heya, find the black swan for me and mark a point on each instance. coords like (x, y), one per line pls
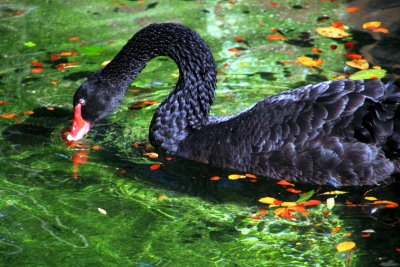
(343, 132)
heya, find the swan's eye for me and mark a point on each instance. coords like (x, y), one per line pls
(82, 101)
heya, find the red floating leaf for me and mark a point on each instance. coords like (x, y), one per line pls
(215, 178)
(155, 167)
(18, 13)
(333, 47)
(311, 202)
(349, 45)
(37, 63)
(273, 4)
(316, 50)
(283, 182)
(337, 24)
(239, 38)
(233, 50)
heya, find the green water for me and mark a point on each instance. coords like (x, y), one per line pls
(110, 208)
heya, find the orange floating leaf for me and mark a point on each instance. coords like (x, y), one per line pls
(347, 234)
(366, 235)
(8, 116)
(152, 155)
(275, 37)
(287, 62)
(18, 13)
(347, 245)
(256, 218)
(292, 190)
(382, 30)
(311, 202)
(361, 64)
(68, 54)
(372, 25)
(29, 112)
(73, 38)
(353, 55)
(155, 167)
(309, 62)
(249, 175)
(352, 9)
(283, 182)
(50, 108)
(233, 50)
(336, 229)
(273, 4)
(96, 147)
(316, 50)
(332, 32)
(37, 70)
(54, 82)
(160, 197)
(262, 212)
(215, 178)
(388, 204)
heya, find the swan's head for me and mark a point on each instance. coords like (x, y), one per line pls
(93, 100)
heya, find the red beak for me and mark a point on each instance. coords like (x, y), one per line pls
(80, 127)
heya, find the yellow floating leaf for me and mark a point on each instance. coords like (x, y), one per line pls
(330, 203)
(236, 176)
(361, 64)
(267, 200)
(279, 211)
(336, 192)
(372, 25)
(371, 198)
(345, 246)
(152, 155)
(332, 32)
(309, 62)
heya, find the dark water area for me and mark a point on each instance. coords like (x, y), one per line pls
(110, 201)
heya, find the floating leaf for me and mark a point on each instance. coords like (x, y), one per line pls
(236, 176)
(336, 229)
(353, 55)
(155, 167)
(66, 65)
(382, 30)
(371, 198)
(30, 44)
(8, 116)
(349, 45)
(316, 50)
(387, 203)
(215, 178)
(345, 246)
(267, 200)
(311, 202)
(73, 38)
(152, 155)
(37, 70)
(103, 211)
(275, 37)
(367, 74)
(332, 32)
(283, 182)
(249, 175)
(336, 192)
(372, 25)
(37, 63)
(330, 203)
(306, 196)
(309, 62)
(142, 104)
(361, 64)
(337, 24)
(352, 9)
(292, 190)
(91, 50)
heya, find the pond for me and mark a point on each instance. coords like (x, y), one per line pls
(109, 201)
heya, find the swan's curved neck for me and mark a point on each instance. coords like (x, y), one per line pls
(188, 105)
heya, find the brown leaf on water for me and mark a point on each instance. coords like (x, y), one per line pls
(142, 104)
(361, 64)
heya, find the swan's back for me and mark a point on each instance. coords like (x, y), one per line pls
(337, 132)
